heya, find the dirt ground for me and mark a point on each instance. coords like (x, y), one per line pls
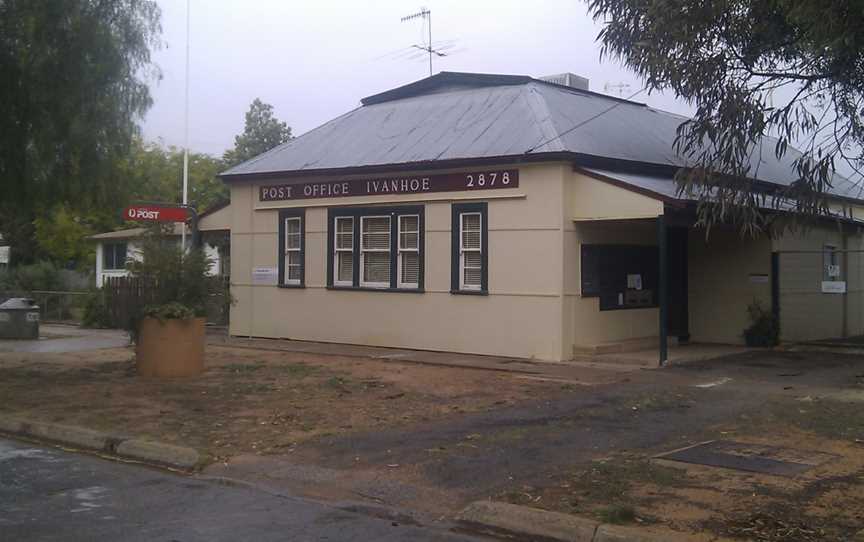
(247, 401)
(813, 423)
(434, 438)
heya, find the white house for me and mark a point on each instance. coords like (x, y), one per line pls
(115, 248)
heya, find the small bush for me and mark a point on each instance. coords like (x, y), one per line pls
(96, 313)
(27, 278)
(764, 329)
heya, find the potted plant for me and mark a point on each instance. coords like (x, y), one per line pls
(763, 329)
(167, 322)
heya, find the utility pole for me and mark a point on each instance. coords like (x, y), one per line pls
(186, 134)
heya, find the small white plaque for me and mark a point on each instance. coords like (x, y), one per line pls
(265, 275)
(634, 282)
(4, 255)
(833, 286)
(32, 316)
(759, 279)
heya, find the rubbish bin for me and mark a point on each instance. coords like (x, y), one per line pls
(19, 319)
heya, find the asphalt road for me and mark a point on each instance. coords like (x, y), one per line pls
(49, 494)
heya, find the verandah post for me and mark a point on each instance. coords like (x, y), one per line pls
(662, 287)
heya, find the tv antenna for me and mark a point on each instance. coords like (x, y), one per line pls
(426, 15)
(618, 88)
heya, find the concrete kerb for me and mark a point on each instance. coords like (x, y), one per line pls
(122, 447)
(541, 525)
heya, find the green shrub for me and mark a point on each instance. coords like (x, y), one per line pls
(96, 314)
(178, 285)
(764, 329)
(27, 278)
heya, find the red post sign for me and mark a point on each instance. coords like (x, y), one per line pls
(156, 213)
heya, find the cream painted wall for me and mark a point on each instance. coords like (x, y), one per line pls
(520, 316)
(805, 312)
(592, 199)
(725, 276)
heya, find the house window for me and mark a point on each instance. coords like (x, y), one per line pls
(409, 251)
(292, 246)
(344, 257)
(114, 256)
(470, 239)
(375, 251)
(376, 248)
(831, 263)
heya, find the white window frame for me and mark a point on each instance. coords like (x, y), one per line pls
(337, 250)
(363, 251)
(401, 250)
(289, 250)
(463, 250)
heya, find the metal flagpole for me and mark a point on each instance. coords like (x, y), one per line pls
(186, 132)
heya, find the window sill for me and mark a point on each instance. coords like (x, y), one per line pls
(368, 289)
(292, 286)
(470, 292)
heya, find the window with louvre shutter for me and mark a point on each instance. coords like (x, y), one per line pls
(292, 246)
(409, 251)
(377, 247)
(343, 260)
(375, 251)
(469, 259)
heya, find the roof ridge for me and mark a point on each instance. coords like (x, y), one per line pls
(548, 130)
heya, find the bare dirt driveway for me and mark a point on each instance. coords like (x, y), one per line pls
(431, 438)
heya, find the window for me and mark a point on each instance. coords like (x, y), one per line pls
(469, 259)
(344, 257)
(375, 251)
(376, 248)
(409, 251)
(831, 263)
(114, 256)
(292, 247)
(621, 276)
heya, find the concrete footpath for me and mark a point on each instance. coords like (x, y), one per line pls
(119, 446)
(496, 518)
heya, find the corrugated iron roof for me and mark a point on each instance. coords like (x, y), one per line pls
(459, 116)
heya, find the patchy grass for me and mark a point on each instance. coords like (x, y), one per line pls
(248, 401)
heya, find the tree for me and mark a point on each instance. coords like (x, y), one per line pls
(151, 172)
(62, 235)
(74, 88)
(792, 70)
(263, 131)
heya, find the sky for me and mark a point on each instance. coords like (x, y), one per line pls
(315, 60)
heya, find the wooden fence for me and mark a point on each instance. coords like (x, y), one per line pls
(127, 296)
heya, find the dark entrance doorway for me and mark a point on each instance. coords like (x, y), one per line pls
(676, 260)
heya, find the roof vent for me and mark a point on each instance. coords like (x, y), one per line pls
(567, 79)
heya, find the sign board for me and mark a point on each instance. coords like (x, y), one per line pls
(156, 213)
(265, 275)
(759, 278)
(833, 286)
(833, 270)
(389, 186)
(4, 255)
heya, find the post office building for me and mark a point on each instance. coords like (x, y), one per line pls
(506, 215)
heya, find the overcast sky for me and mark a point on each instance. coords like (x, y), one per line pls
(314, 60)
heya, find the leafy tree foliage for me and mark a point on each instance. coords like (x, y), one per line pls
(790, 69)
(263, 131)
(62, 235)
(73, 74)
(151, 172)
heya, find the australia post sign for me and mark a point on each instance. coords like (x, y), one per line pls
(389, 186)
(155, 213)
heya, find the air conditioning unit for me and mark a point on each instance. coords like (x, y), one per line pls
(567, 79)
